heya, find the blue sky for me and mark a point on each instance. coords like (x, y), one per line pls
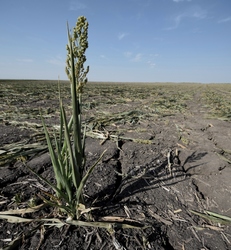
(129, 40)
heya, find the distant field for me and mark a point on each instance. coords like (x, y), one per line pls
(24, 99)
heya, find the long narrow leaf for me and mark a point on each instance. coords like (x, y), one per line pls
(85, 178)
(61, 121)
(223, 217)
(62, 157)
(74, 166)
(14, 219)
(70, 124)
(67, 185)
(54, 158)
(83, 143)
(61, 178)
(56, 189)
(210, 217)
(63, 164)
(23, 210)
(100, 224)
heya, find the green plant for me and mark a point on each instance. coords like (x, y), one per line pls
(67, 153)
(68, 159)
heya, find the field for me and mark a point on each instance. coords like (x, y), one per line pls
(167, 165)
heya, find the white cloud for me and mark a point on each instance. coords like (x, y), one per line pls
(147, 59)
(228, 19)
(200, 14)
(77, 5)
(122, 35)
(197, 13)
(26, 60)
(151, 64)
(177, 21)
(137, 58)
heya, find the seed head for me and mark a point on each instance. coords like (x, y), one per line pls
(79, 45)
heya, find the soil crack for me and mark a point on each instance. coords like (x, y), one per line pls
(201, 195)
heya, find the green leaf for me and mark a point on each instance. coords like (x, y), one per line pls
(56, 189)
(54, 158)
(213, 217)
(74, 166)
(223, 217)
(85, 178)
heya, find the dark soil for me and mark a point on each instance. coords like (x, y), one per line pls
(146, 190)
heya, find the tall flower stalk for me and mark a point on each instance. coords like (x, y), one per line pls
(67, 155)
(76, 48)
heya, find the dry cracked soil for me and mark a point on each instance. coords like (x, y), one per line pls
(163, 171)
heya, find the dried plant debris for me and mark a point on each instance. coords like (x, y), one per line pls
(166, 173)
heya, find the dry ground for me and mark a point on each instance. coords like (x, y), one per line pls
(169, 142)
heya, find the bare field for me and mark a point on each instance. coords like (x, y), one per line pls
(170, 144)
